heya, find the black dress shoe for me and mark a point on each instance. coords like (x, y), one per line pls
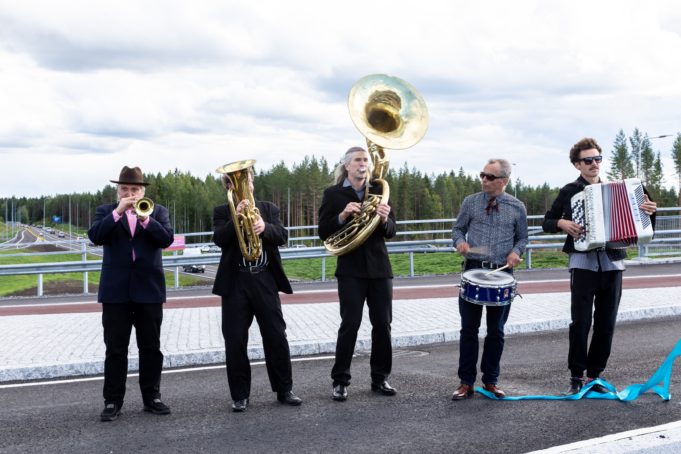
(111, 412)
(240, 405)
(575, 386)
(156, 407)
(340, 393)
(383, 388)
(598, 388)
(289, 398)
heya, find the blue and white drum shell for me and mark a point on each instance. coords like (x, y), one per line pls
(480, 287)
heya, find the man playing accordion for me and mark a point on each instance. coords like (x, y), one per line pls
(595, 275)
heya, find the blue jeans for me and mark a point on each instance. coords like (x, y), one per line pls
(471, 314)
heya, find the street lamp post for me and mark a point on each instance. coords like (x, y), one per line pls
(69, 216)
(515, 185)
(661, 137)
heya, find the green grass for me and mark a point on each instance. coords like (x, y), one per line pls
(437, 263)
(549, 258)
(73, 282)
(4, 234)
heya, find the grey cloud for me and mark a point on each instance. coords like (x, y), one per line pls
(57, 51)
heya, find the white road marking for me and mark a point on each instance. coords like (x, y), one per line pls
(135, 374)
(609, 443)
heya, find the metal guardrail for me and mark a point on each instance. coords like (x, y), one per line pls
(669, 238)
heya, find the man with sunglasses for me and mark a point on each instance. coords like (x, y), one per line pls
(596, 275)
(490, 232)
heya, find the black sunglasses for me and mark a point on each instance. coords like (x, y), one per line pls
(489, 176)
(590, 160)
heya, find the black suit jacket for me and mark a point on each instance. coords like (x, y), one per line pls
(562, 209)
(123, 280)
(224, 235)
(370, 260)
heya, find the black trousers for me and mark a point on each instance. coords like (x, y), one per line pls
(378, 293)
(599, 292)
(118, 320)
(255, 295)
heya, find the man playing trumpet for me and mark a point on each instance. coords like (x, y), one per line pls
(132, 290)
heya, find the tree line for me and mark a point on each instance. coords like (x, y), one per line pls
(298, 191)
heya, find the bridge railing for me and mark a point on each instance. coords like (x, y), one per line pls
(409, 240)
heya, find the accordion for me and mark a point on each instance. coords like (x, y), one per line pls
(610, 215)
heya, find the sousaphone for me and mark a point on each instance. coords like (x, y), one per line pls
(390, 114)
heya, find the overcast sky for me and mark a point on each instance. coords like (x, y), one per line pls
(89, 86)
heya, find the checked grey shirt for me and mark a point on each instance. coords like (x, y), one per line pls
(493, 235)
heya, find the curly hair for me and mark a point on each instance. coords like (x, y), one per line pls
(586, 143)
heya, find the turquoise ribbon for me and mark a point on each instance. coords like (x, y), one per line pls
(658, 383)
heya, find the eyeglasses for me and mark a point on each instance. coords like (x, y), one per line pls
(590, 160)
(489, 176)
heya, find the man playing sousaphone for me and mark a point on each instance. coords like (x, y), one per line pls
(491, 233)
(363, 274)
(355, 219)
(248, 279)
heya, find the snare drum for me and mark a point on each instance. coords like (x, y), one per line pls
(496, 289)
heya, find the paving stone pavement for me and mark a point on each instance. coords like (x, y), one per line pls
(60, 345)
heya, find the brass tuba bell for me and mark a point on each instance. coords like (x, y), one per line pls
(237, 173)
(389, 113)
(144, 207)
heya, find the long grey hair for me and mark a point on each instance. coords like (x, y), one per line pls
(341, 173)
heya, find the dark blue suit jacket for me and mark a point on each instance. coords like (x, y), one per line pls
(123, 280)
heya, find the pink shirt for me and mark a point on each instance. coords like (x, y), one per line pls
(132, 222)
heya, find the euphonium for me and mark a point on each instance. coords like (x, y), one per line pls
(237, 174)
(144, 207)
(389, 113)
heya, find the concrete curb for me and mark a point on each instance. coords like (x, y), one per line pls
(307, 348)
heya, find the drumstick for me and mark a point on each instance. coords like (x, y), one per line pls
(498, 269)
(482, 250)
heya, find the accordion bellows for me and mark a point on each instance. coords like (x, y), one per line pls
(611, 215)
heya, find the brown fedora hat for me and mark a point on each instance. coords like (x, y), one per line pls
(131, 176)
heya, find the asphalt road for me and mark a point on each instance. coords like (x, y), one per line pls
(64, 417)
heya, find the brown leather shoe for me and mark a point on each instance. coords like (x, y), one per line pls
(494, 390)
(464, 391)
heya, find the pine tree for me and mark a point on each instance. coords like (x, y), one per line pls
(647, 162)
(676, 157)
(620, 161)
(636, 140)
(656, 177)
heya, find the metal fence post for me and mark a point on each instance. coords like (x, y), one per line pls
(40, 285)
(411, 264)
(323, 269)
(528, 258)
(177, 272)
(85, 273)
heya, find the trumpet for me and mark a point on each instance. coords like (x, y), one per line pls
(144, 207)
